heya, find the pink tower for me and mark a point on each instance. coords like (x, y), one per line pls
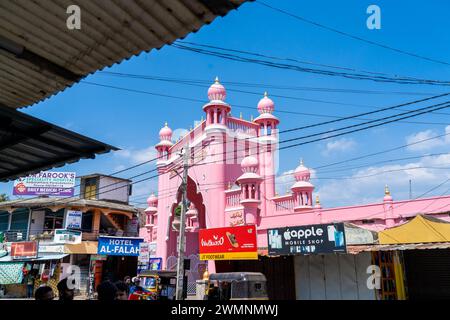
(268, 139)
(217, 111)
(302, 189)
(250, 182)
(164, 153)
(163, 147)
(152, 217)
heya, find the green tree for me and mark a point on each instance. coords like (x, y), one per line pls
(3, 197)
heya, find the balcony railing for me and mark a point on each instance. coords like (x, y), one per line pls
(285, 203)
(233, 198)
(242, 126)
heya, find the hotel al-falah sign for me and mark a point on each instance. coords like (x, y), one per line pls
(230, 243)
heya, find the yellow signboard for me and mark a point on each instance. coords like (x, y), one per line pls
(229, 256)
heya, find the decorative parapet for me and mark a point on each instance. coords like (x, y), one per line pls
(242, 126)
(232, 198)
(284, 203)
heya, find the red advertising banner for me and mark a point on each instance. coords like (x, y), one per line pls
(231, 243)
(26, 249)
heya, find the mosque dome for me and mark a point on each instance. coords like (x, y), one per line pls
(265, 105)
(217, 91)
(165, 133)
(152, 200)
(302, 173)
(249, 164)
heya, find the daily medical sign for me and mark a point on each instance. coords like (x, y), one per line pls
(311, 239)
(117, 246)
(232, 243)
(47, 183)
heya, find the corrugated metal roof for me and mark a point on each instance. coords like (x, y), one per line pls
(29, 145)
(40, 56)
(393, 247)
(67, 202)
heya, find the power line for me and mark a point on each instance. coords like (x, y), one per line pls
(286, 147)
(339, 118)
(336, 130)
(386, 161)
(346, 34)
(364, 128)
(406, 202)
(261, 85)
(360, 124)
(383, 151)
(292, 67)
(196, 84)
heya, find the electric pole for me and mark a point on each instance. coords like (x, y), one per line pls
(181, 235)
(410, 189)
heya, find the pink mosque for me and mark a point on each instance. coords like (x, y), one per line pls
(231, 182)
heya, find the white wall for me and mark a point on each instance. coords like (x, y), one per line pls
(37, 222)
(113, 189)
(332, 277)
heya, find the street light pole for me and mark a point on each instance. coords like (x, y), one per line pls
(181, 236)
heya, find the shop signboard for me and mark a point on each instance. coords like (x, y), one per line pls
(73, 219)
(51, 248)
(230, 243)
(144, 253)
(152, 249)
(48, 183)
(67, 236)
(310, 239)
(155, 264)
(24, 250)
(133, 226)
(118, 246)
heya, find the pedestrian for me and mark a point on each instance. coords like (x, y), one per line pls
(44, 293)
(106, 291)
(64, 292)
(136, 285)
(122, 290)
(127, 281)
(30, 284)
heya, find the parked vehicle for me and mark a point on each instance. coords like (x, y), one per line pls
(156, 285)
(237, 286)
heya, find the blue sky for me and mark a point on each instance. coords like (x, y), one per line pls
(131, 121)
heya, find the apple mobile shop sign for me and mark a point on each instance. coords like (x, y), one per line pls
(119, 246)
(310, 239)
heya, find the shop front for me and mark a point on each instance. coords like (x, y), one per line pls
(121, 257)
(422, 248)
(323, 268)
(28, 266)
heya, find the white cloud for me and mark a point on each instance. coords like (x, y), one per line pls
(429, 144)
(339, 145)
(179, 133)
(136, 156)
(367, 185)
(286, 179)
